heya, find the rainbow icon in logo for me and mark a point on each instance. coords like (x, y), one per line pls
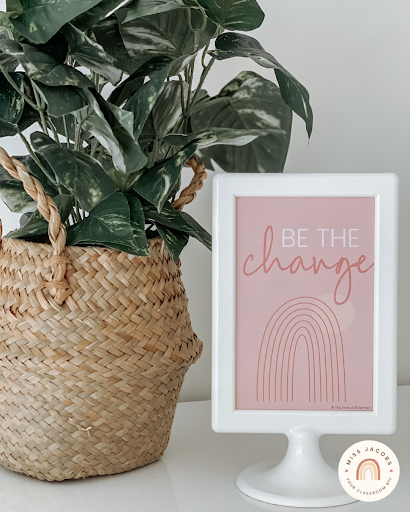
(368, 466)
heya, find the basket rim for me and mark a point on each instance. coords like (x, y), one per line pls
(48, 248)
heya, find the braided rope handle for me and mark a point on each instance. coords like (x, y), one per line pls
(189, 193)
(56, 230)
(58, 286)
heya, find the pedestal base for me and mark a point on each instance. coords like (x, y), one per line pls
(301, 479)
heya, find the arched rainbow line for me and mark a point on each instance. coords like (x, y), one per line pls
(288, 358)
(294, 329)
(293, 363)
(312, 310)
(368, 464)
(270, 366)
(280, 343)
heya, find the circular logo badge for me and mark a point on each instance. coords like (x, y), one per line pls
(369, 471)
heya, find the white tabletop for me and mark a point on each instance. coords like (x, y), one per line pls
(197, 473)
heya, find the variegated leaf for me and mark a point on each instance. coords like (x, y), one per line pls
(43, 67)
(36, 225)
(234, 14)
(293, 92)
(90, 17)
(134, 82)
(181, 221)
(147, 7)
(217, 136)
(247, 103)
(79, 173)
(41, 19)
(157, 183)
(9, 62)
(14, 196)
(137, 222)
(175, 240)
(90, 54)
(166, 34)
(167, 109)
(142, 102)
(113, 129)
(109, 225)
(61, 100)
(50, 188)
(6, 27)
(11, 105)
(107, 33)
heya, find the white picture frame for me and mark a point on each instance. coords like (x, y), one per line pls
(226, 188)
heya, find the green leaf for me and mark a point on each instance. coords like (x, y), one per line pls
(59, 124)
(90, 54)
(6, 27)
(296, 96)
(108, 224)
(134, 82)
(217, 136)
(28, 117)
(147, 7)
(293, 93)
(167, 109)
(181, 221)
(36, 225)
(156, 184)
(107, 33)
(166, 34)
(34, 170)
(249, 102)
(9, 62)
(113, 129)
(142, 102)
(89, 18)
(175, 240)
(61, 100)
(242, 15)
(79, 173)
(11, 105)
(14, 8)
(45, 68)
(137, 222)
(41, 19)
(25, 218)
(14, 196)
(56, 47)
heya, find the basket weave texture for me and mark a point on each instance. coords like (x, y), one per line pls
(89, 386)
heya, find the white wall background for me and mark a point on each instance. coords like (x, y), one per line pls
(354, 58)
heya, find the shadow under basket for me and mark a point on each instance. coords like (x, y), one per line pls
(90, 387)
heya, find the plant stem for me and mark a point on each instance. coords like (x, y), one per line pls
(204, 54)
(17, 88)
(201, 83)
(40, 107)
(35, 158)
(181, 85)
(53, 129)
(77, 140)
(188, 101)
(94, 146)
(77, 217)
(66, 132)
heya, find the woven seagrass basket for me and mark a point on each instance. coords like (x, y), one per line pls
(94, 346)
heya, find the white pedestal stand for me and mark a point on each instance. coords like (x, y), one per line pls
(301, 479)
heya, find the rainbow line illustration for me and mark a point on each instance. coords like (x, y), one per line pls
(368, 465)
(314, 323)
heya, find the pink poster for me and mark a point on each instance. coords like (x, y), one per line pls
(305, 303)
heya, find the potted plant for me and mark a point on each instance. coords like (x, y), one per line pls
(94, 329)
